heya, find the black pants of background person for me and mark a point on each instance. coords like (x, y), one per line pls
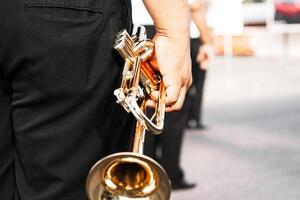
(166, 148)
(195, 94)
(57, 110)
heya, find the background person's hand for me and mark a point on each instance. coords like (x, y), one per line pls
(205, 55)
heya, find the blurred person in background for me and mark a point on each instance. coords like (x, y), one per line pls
(201, 54)
(166, 148)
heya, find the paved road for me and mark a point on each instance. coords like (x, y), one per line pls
(251, 150)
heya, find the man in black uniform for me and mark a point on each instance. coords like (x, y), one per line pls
(201, 54)
(58, 71)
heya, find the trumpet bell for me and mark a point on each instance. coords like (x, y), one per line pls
(125, 176)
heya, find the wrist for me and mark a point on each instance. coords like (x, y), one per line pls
(206, 40)
(171, 17)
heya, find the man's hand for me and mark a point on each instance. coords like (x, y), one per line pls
(205, 55)
(172, 50)
(172, 59)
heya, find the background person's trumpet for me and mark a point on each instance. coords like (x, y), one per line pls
(132, 175)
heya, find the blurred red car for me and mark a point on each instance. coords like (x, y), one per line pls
(287, 11)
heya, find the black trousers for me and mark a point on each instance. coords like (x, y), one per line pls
(195, 94)
(58, 115)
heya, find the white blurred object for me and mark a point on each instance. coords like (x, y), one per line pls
(226, 17)
(255, 13)
(140, 14)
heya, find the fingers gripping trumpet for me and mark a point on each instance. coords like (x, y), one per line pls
(132, 175)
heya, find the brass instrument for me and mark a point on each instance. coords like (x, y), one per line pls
(132, 175)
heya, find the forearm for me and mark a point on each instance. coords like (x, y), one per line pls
(172, 50)
(198, 16)
(171, 17)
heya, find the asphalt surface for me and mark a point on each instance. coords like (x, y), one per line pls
(251, 149)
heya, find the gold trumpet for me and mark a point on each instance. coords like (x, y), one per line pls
(132, 175)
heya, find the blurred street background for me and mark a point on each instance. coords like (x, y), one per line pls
(251, 149)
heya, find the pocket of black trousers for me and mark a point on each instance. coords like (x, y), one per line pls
(61, 41)
(53, 9)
